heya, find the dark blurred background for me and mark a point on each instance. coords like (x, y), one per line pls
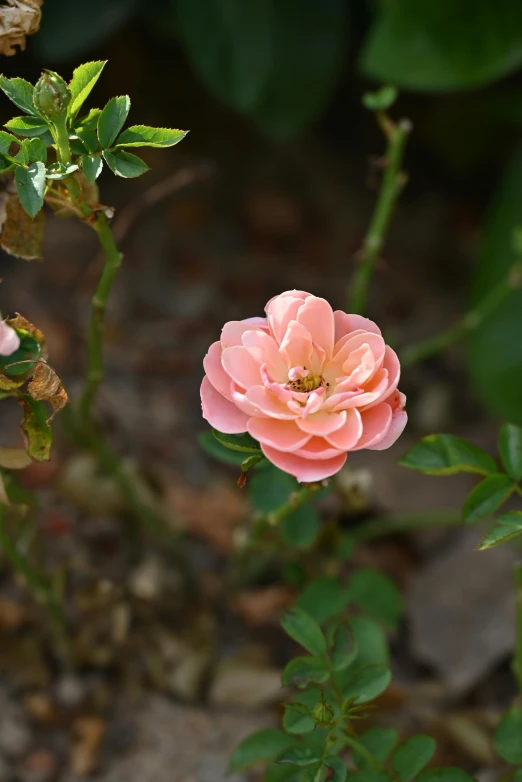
(273, 189)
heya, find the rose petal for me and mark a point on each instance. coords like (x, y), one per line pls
(396, 428)
(219, 412)
(242, 368)
(215, 372)
(304, 470)
(282, 435)
(232, 332)
(345, 324)
(296, 347)
(264, 349)
(376, 423)
(349, 434)
(268, 405)
(281, 310)
(318, 448)
(316, 316)
(322, 423)
(9, 339)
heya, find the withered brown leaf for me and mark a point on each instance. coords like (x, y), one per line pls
(21, 236)
(46, 386)
(14, 458)
(18, 18)
(19, 322)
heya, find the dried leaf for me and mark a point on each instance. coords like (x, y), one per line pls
(21, 236)
(4, 499)
(84, 753)
(36, 430)
(21, 323)
(14, 458)
(46, 386)
(17, 19)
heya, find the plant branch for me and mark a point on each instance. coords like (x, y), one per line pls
(469, 323)
(517, 661)
(113, 259)
(38, 586)
(393, 181)
(393, 525)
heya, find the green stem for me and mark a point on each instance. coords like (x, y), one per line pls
(61, 137)
(517, 661)
(363, 752)
(40, 589)
(392, 525)
(113, 259)
(392, 183)
(469, 323)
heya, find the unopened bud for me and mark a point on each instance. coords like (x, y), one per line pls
(322, 713)
(51, 95)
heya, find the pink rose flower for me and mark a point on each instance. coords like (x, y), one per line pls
(308, 383)
(9, 339)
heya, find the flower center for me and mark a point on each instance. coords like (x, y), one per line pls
(308, 383)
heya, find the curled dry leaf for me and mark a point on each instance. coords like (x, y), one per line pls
(21, 236)
(18, 18)
(21, 323)
(46, 386)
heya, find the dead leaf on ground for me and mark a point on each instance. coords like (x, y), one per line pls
(84, 752)
(261, 606)
(211, 514)
(21, 236)
(46, 386)
(17, 19)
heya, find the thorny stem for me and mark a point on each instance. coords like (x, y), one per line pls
(517, 661)
(393, 181)
(469, 323)
(41, 590)
(363, 752)
(275, 517)
(61, 137)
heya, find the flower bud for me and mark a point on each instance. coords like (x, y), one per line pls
(322, 714)
(51, 95)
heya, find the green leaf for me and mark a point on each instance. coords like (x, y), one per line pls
(214, 448)
(36, 149)
(28, 126)
(344, 648)
(303, 670)
(92, 167)
(506, 527)
(445, 774)
(258, 748)
(412, 755)
(369, 775)
(306, 62)
(124, 164)
(29, 350)
(30, 186)
(299, 756)
(230, 46)
(6, 163)
(510, 447)
(508, 736)
(445, 454)
(322, 598)
(487, 497)
(277, 773)
(371, 641)
(144, 136)
(378, 741)
(495, 358)
(243, 443)
(443, 45)
(58, 171)
(83, 80)
(297, 717)
(270, 488)
(377, 595)
(20, 92)
(112, 119)
(36, 430)
(336, 769)
(89, 139)
(304, 630)
(381, 99)
(6, 139)
(367, 683)
(301, 527)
